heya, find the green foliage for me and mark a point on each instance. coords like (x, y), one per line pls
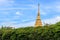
(51, 32)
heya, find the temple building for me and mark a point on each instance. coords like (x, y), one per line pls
(38, 20)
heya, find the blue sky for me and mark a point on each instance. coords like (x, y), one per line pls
(21, 13)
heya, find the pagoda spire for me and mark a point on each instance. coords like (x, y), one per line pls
(38, 8)
(38, 20)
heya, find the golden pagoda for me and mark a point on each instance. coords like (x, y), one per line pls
(38, 20)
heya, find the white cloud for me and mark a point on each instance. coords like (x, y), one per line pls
(32, 23)
(12, 24)
(51, 20)
(8, 23)
(15, 8)
(53, 7)
(45, 21)
(6, 2)
(19, 13)
(25, 24)
(48, 21)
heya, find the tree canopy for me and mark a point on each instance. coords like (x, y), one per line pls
(50, 32)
